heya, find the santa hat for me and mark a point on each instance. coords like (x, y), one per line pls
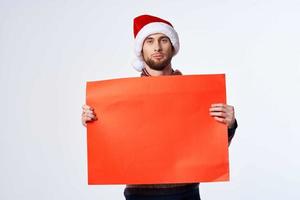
(145, 25)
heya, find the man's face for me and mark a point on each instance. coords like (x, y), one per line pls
(157, 51)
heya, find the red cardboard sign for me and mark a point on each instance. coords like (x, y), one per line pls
(154, 130)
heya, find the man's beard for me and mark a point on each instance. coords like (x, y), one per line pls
(160, 65)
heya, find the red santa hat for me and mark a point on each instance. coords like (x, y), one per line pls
(145, 25)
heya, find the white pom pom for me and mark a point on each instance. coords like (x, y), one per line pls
(138, 65)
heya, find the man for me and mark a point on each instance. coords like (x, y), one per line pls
(156, 42)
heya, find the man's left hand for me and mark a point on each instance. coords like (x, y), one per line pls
(223, 113)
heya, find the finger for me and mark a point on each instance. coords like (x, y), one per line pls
(223, 120)
(218, 114)
(86, 118)
(85, 112)
(217, 109)
(89, 112)
(218, 105)
(230, 108)
(227, 109)
(87, 107)
(220, 119)
(91, 116)
(83, 123)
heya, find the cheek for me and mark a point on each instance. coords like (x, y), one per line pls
(144, 53)
(145, 50)
(169, 50)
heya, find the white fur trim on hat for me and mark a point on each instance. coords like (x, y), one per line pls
(138, 64)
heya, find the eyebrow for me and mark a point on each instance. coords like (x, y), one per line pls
(161, 37)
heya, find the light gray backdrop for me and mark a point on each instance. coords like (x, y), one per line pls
(49, 49)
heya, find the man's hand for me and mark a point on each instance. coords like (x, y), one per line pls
(87, 115)
(223, 113)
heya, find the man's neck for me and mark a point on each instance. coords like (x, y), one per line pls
(166, 71)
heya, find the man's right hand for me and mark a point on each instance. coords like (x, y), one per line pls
(87, 115)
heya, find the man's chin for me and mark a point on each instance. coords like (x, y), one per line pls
(158, 65)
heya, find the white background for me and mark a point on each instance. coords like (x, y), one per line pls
(49, 49)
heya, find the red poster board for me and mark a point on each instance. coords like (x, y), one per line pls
(156, 130)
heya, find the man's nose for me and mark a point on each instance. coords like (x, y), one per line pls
(157, 46)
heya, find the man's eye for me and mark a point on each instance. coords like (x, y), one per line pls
(149, 41)
(165, 40)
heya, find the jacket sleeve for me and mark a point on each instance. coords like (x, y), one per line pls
(231, 131)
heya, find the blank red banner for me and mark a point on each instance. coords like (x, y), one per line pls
(154, 130)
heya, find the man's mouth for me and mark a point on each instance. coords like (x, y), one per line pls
(157, 56)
